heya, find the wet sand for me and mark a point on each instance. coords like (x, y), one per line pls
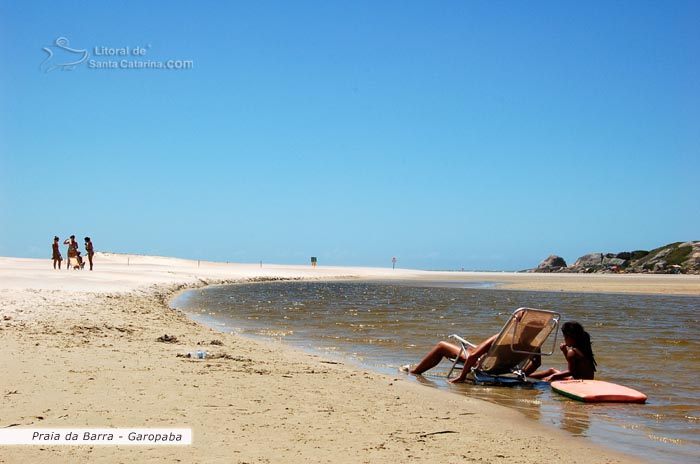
(660, 284)
(82, 350)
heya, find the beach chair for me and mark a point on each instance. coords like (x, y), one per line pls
(520, 339)
(73, 262)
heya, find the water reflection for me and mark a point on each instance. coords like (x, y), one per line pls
(575, 418)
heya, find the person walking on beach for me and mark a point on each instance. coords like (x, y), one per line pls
(90, 250)
(57, 258)
(577, 350)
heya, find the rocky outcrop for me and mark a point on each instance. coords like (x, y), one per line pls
(680, 257)
(553, 263)
(674, 258)
(589, 261)
(596, 262)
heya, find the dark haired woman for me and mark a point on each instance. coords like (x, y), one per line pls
(578, 353)
(73, 253)
(57, 258)
(90, 249)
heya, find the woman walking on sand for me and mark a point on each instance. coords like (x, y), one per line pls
(57, 258)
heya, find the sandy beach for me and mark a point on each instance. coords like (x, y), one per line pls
(85, 350)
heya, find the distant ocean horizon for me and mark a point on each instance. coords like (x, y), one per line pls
(648, 342)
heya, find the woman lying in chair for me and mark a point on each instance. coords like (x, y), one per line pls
(450, 350)
(576, 349)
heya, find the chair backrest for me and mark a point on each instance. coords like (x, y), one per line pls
(521, 338)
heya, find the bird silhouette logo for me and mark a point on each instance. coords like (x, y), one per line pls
(62, 57)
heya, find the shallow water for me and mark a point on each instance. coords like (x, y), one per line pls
(648, 342)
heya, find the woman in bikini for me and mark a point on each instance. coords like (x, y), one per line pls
(90, 249)
(57, 258)
(577, 350)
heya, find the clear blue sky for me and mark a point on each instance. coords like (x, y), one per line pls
(482, 135)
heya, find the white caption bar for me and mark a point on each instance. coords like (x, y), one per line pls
(68, 436)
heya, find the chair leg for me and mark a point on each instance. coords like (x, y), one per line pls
(462, 350)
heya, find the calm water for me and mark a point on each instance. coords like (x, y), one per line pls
(651, 343)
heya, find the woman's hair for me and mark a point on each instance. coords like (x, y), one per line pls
(581, 339)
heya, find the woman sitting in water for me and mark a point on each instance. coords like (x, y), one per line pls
(579, 356)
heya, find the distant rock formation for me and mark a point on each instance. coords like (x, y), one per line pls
(588, 261)
(553, 263)
(674, 258)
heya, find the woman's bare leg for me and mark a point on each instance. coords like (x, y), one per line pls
(544, 373)
(473, 355)
(433, 358)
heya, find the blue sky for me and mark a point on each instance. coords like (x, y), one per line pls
(476, 135)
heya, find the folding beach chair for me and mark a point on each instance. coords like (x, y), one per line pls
(520, 340)
(73, 262)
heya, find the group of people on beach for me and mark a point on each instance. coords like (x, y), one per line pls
(75, 260)
(577, 350)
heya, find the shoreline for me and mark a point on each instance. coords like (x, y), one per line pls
(83, 351)
(125, 272)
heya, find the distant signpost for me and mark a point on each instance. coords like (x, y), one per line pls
(393, 263)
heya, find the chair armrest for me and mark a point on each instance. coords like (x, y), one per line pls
(462, 341)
